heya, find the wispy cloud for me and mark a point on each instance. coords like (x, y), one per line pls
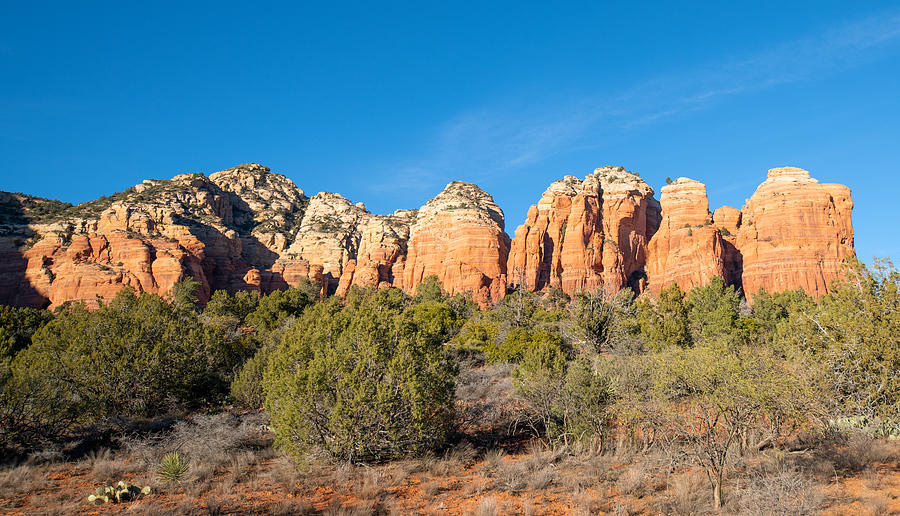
(500, 140)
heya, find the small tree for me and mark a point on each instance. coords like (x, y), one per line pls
(570, 399)
(665, 322)
(714, 312)
(600, 316)
(705, 401)
(855, 332)
(280, 305)
(132, 357)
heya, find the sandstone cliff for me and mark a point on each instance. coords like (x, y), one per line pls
(586, 232)
(216, 229)
(794, 233)
(688, 249)
(458, 236)
(248, 228)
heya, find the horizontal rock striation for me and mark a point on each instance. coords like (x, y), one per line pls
(459, 237)
(795, 233)
(247, 228)
(688, 249)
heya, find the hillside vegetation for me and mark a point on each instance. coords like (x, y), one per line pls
(383, 402)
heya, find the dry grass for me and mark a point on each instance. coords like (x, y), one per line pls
(860, 453)
(106, 468)
(633, 481)
(878, 506)
(580, 479)
(493, 458)
(787, 491)
(17, 480)
(293, 506)
(587, 503)
(686, 494)
(489, 506)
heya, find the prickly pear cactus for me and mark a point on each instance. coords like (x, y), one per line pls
(118, 493)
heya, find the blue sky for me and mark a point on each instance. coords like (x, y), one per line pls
(386, 103)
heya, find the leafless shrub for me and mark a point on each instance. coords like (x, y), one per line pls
(632, 481)
(860, 452)
(211, 439)
(786, 492)
(45, 456)
(484, 397)
(208, 441)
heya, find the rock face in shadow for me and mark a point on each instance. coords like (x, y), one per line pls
(794, 233)
(247, 228)
(584, 233)
(728, 221)
(458, 236)
(216, 229)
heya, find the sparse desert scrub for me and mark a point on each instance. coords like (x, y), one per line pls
(584, 425)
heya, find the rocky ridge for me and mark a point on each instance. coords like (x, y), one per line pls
(249, 228)
(584, 233)
(459, 237)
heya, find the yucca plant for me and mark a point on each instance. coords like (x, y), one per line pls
(172, 467)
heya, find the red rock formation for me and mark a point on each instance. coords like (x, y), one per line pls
(458, 236)
(728, 220)
(381, 257)
(584, 233)
(328, 235)
(152, 236)
(688, 249)
(247, 228)
(795, 233)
